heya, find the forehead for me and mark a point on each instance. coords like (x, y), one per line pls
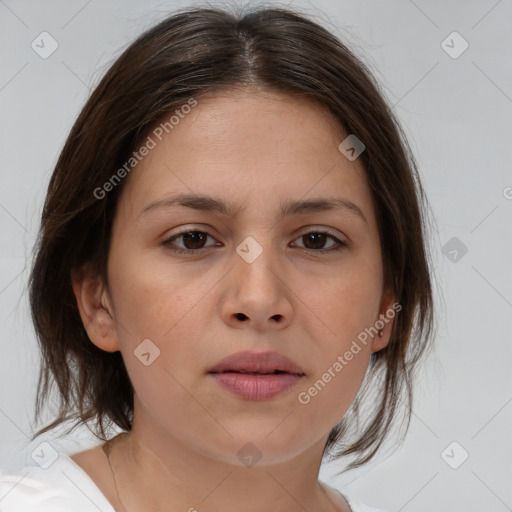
(248, 146)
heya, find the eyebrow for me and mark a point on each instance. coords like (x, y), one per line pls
(216, 205)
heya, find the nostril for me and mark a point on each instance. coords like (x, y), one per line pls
(241, 316)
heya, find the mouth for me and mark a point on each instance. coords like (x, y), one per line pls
(257, 376)
(254, 386)
(254, 363)
(245, 372)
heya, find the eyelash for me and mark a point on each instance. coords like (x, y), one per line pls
(339, 244)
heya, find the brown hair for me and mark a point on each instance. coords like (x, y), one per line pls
(190, 53)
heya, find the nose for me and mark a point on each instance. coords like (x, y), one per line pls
(257, 294)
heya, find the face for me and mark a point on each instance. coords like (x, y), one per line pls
(195, 284)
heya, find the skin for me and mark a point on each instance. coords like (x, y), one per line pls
(257, 149)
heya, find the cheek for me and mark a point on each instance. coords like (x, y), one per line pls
(344, 304)
(345, 308)
(332, 388)
(165, 305)
(155, 299)
(164, 399)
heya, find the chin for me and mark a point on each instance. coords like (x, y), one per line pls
(270, 446)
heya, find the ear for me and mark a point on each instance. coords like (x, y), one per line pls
(389, 308)
(95, 308)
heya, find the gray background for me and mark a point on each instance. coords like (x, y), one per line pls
(456, 112)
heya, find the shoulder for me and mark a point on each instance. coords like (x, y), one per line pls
(58, 487)
(359, 506)
(355, 505)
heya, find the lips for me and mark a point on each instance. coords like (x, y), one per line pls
(257, 363)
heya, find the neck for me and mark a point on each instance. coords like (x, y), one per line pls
(150, 476)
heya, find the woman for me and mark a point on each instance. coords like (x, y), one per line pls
(231, 266)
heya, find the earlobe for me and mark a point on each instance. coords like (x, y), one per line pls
(384, 323)
(380, 340)
(95, 309)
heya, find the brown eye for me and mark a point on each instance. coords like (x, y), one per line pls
(193, 240)
(316, 240)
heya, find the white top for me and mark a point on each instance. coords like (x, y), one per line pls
(63, 486)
